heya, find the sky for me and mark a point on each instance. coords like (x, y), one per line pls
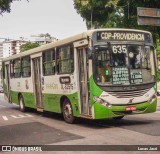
(56, 17)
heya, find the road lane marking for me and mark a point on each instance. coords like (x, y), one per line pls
(157, 112)
(21, 116)
(5, 118)
(2, 106)
(28, 115)
(8, 117)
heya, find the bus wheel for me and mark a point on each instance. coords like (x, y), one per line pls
(67, 112)
(118, 118)
(21, 104)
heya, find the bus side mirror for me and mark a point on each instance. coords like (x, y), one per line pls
(90, 53)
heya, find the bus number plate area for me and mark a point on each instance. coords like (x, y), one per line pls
(130, 108)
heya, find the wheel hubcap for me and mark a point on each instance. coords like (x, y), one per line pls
(67, 111)
(21, 104)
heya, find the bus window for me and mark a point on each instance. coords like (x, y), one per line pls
(3, 70)
(148, 67)
(17, 68)
(65, 62)
(134, 52)
(103, 64)
(49, 62)
(11, 69)
(26, 67)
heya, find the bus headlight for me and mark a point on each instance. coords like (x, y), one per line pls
(152, 98)
(101, 101)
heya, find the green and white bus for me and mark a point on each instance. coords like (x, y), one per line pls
(98, 74)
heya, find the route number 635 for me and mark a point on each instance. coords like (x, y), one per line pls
(119, 49)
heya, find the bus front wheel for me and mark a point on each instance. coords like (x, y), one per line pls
(68, 112)
(21, 104)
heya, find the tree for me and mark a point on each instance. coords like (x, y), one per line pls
(5, 6)
(97, 11)
(28, 46)
(130, 15)
(117, 13)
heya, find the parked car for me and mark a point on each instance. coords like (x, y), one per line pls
(1, 89)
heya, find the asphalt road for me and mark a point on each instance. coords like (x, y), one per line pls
(34, 128)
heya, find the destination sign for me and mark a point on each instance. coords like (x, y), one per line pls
(136, 76)
(120, 75)
(121, 35)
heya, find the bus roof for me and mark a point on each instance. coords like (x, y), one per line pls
(66, 41)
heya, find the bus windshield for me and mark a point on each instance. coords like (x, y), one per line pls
(124, 64)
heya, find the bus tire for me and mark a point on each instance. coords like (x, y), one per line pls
(68, 112)
(118, 118)
(21, 104)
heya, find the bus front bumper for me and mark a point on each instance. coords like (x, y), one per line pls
(102, 112)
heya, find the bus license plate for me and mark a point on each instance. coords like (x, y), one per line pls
(130, 108)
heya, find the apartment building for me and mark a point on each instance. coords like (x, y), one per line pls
(1, 53)
(11, 47)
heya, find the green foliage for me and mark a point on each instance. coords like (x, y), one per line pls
(99, 9)
(158, 76)
(158, 48)
(28, 46)
(130, 19)
(116, 13)
(5, 5)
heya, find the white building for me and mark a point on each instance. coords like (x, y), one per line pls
(42, 39)
(1, 53)
(1, 56)
(11, 47)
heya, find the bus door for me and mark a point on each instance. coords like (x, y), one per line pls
(37, 83)
(83, 80)
(8, 83)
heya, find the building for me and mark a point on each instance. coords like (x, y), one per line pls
(1, 53)
(11, 47)
(1, 56)
(43, 39)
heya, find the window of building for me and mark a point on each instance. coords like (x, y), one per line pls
(65, 62)
(49, 62)
(26, 67)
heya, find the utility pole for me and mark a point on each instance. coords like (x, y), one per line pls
(91, 15)
(128, 9)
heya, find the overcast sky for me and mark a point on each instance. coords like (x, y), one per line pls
(56, 17)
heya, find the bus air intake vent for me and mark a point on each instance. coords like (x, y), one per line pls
(128, 94)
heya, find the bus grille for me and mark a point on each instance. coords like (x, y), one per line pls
(129, 94)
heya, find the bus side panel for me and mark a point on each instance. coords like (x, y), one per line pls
(29, 99)
(4, 81)
(14, 97)
(4, 87)
(24, 87)
(52, 102)
(53, 91)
